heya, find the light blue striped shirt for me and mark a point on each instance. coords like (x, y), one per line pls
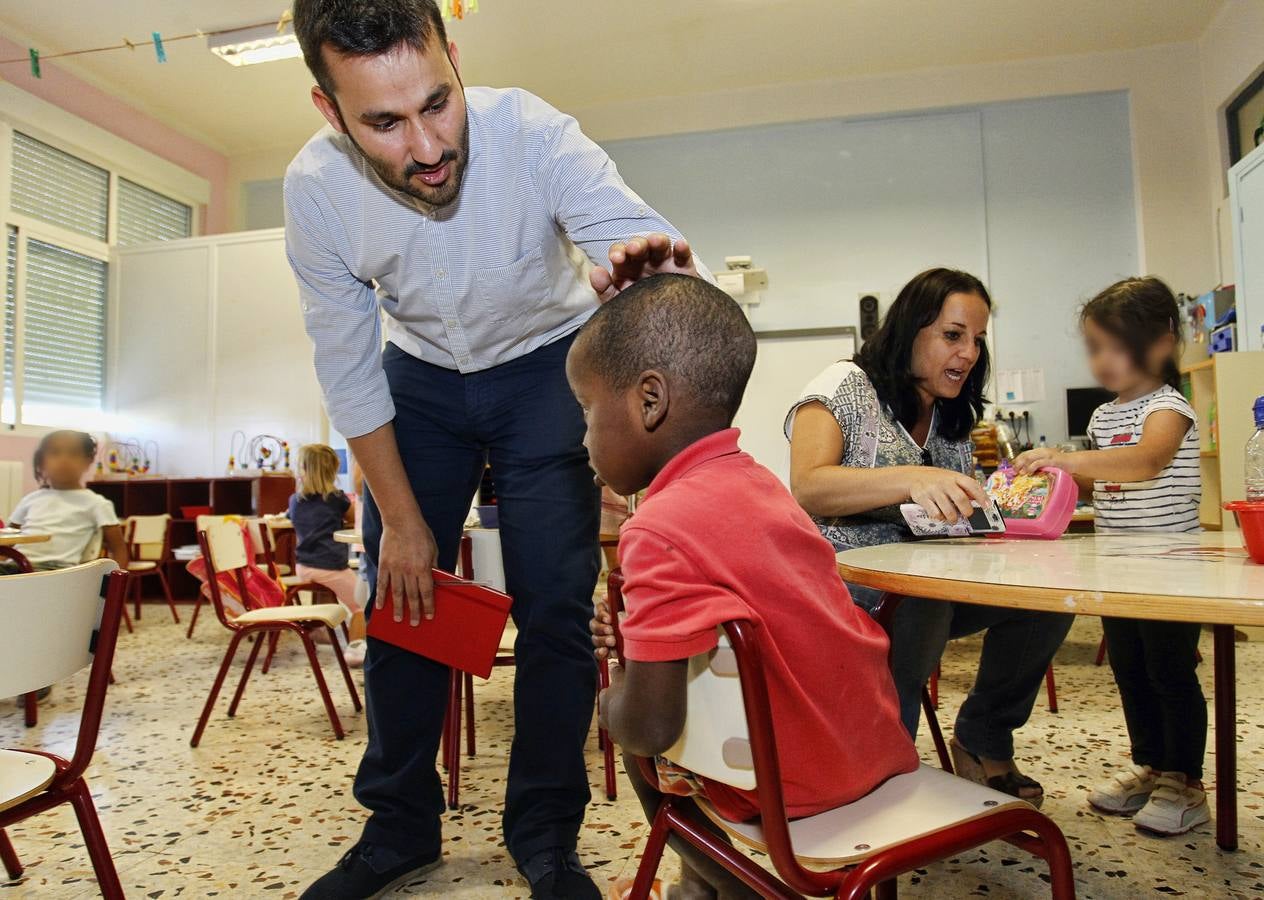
(501, 271)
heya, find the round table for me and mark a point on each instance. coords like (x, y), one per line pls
(10, 539)
(348, 536)
(1205, 578)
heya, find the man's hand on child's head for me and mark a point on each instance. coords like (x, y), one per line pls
(602, 628)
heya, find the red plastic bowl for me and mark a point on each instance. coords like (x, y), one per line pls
(1251, 518)
(192, 512)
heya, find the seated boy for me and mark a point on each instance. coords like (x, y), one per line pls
(659, 371)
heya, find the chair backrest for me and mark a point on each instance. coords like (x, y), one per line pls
(226, 545)
(58, 623)
(716, 740)
(147, 536)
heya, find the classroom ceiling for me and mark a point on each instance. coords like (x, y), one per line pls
(580, 54)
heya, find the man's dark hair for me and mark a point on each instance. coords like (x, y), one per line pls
(363, 28)
(887, 357)
(682, 326)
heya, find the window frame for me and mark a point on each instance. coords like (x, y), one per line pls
(31, 228)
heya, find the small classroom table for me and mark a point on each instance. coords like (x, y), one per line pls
(10, 540)
(348, 536)
(1205, 578)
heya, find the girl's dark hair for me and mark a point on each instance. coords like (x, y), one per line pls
(86, 442)
(1138, 312)
(887, 357)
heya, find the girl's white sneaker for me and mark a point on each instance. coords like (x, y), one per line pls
(1125, 792)
(1174, 807)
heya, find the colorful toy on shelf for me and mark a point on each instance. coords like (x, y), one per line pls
(1034, 506)
(265, 450)
(285, 456)
(150, 462)
(236, 447)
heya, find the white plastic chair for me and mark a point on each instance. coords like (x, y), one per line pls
(149, 548)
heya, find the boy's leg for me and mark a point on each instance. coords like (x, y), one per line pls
(1171, 658)
(1017, 650)
(1125, 648)
(548, 511)
(405, 694)
(694, 864)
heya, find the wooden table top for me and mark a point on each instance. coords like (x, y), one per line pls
(348, 536)
(10, 538)
(1204, 578)
(23, 775)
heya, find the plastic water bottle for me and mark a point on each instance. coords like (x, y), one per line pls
(1255, 456)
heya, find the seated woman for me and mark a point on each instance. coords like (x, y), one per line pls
(890, 427)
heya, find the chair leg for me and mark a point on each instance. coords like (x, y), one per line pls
(936, 735)
(651, 856)
(260, 637)
(1051, 689)
(166, 590)
(454, 739)
(320, 683)
(612, 786)
(215, 686)
(934, 688)
(134, 584)
(94, 838)
(127, 619)
(887, 890)
(346, 670)
(273, 639)
(469, 715)
(1101, 653)
(197, 605)
(30, 703)
(9, 856)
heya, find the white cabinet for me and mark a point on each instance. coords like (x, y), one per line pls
(1246, 210)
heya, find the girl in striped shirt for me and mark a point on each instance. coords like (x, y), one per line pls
(1143, 473)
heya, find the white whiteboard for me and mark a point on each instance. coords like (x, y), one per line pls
(784, 363)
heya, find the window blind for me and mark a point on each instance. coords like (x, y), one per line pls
(58, 188)
(10, 316)
(63, 351)
(145, 215)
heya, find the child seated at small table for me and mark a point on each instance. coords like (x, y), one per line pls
(659, 372)
(75, 516)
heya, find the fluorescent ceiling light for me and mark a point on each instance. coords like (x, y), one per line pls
(247, 46)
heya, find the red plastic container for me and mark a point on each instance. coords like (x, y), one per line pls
(464, 633)
(1251, 518)
(192, 512)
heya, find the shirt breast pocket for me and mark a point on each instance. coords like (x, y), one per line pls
(513, 293)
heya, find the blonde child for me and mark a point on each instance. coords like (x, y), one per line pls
(1144, 476)
(317, 511)
(64, 508)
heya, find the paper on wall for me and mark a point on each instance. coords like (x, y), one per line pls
(1020, 386)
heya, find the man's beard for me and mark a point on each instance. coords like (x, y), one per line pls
(438, 196)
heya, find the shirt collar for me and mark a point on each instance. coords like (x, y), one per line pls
(713, 446)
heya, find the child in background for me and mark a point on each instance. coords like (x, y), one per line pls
(1144, 476)
(659, 372)
(317, 511)
(64, 508)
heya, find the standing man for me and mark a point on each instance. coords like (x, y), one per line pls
(465, 209)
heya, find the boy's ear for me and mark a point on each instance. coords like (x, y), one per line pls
(653, 394)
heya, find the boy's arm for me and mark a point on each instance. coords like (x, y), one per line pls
(644, 708)
(115, 545)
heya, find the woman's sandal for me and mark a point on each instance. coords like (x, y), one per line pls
(969, 767)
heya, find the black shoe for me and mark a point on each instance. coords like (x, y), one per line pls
(557, 874)
(366, 872)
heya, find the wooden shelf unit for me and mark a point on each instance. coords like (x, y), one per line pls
(1231, 381)
(240, 495)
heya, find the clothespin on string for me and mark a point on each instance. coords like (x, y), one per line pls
(458, 9)
(159, 50)
(286, 18)
(35, 66)
(128, 44)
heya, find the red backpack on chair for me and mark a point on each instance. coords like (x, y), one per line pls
(262, 590)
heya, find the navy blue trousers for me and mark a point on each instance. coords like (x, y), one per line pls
(522, 417)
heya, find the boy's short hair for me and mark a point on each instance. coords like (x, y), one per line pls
(680, 325)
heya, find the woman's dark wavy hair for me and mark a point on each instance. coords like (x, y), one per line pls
(1139, 312)
(87, 446)
(887, 357)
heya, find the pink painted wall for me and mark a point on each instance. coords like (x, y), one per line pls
(94, 105)
(21, 448)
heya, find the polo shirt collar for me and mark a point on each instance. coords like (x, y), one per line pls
(713, 446)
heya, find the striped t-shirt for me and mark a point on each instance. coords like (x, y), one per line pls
(1168, 502)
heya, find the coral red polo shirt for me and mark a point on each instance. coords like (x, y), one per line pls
(718, 537)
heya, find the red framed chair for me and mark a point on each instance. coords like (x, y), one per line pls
(909, 821)
(1051, 686)
(224, 548)
(70, 621)
(149, 547)
(461, 705)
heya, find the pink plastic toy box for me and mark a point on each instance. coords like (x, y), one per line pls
(1034, 506)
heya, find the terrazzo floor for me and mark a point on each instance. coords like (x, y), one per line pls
(264, 805)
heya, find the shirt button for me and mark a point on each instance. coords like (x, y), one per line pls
(441, 274)
(640, 210)
(464, 360)
(450, 323)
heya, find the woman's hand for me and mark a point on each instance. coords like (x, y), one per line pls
(944, 494)
(1029, 461)
(602, 627)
